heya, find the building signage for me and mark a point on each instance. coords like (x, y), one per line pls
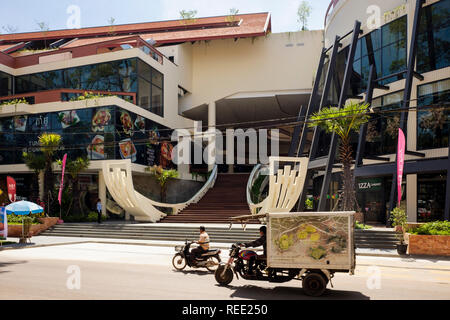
(394, 13)
(370, 184)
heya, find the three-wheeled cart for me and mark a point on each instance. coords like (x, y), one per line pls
(308, 246)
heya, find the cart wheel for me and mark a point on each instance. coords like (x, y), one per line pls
(223, 278)
(314, 284)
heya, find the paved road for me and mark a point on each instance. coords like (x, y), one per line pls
(111, 271)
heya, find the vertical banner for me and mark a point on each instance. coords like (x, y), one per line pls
(3, 223)
(61, 186)
(400, 163)
(11, 183)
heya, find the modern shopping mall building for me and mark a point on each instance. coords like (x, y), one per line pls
(231, 73)
(155, 77)
(409, 88)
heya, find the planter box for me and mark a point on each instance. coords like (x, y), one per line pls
(15, 231)
(428, 245)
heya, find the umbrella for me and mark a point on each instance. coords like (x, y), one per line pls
(23, 208)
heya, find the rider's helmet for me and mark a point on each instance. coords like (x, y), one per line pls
(263, 229)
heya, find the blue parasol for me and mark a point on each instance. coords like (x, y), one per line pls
(23, 208)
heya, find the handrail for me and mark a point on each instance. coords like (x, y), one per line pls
(199, 195)
(120, 185)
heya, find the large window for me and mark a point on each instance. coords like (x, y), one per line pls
(97, 133)
(130, 75)
(5, 84)
(433, 115)
(382, 129)
(431, 196)
(433, 49)
(386, 49)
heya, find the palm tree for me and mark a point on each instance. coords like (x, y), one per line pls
(35, 162)
(343, 122)
(74, 168)
(49, 143)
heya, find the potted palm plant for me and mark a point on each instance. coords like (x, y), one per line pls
(399, 222)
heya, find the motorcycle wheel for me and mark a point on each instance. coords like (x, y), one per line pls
(214, 261)
(179, 262)
(223, 278)
(314, 284)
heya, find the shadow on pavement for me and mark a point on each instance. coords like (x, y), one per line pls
(7, 264)
(291, 293)
(194, 271)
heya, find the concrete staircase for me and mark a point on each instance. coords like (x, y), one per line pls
(374, 239)
(226, 199)
(156, 232)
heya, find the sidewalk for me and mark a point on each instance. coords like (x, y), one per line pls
(46, 241)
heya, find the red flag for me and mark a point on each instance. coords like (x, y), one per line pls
(62, 178)
(400, 163)
(11, 189)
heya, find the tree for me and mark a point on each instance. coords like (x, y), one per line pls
(49, 143)
(74, 168)
(231, 18)
(303, 13)
(43, 26)
(188, 17)
(163, 176)
(343, 122)
(35, 162)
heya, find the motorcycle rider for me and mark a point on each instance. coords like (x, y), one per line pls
(203, 243)
(261, 241)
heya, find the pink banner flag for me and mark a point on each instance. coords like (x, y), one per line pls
(400, 163)
(62, 178)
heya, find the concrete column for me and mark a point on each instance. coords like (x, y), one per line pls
(411, 197)
(102, 191)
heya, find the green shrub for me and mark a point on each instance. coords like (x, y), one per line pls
(361, 226)
(93, 217)
(438, 228)
(16, 220)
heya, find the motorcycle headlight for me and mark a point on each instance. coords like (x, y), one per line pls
(178, 248)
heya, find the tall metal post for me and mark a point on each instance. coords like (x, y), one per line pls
(297, 147)
(326, 90)
(363, 129)
(406, 97)
(311, 110)
(342, 99)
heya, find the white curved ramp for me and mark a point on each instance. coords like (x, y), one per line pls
(285, 186)
(119, 181)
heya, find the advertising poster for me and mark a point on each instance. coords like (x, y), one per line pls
(3, 223)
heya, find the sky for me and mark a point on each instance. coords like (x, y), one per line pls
(24, 15)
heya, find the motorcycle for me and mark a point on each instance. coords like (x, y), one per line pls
(238, 264)
(209, 260)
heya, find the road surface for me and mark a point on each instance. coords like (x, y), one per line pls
(113, 271)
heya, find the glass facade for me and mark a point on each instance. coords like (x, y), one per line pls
(386, 49)
(433, 47)
(97, 133)
(431, 196)
(382, 129)
(129, 75)
(5, 84)
(433, 116)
